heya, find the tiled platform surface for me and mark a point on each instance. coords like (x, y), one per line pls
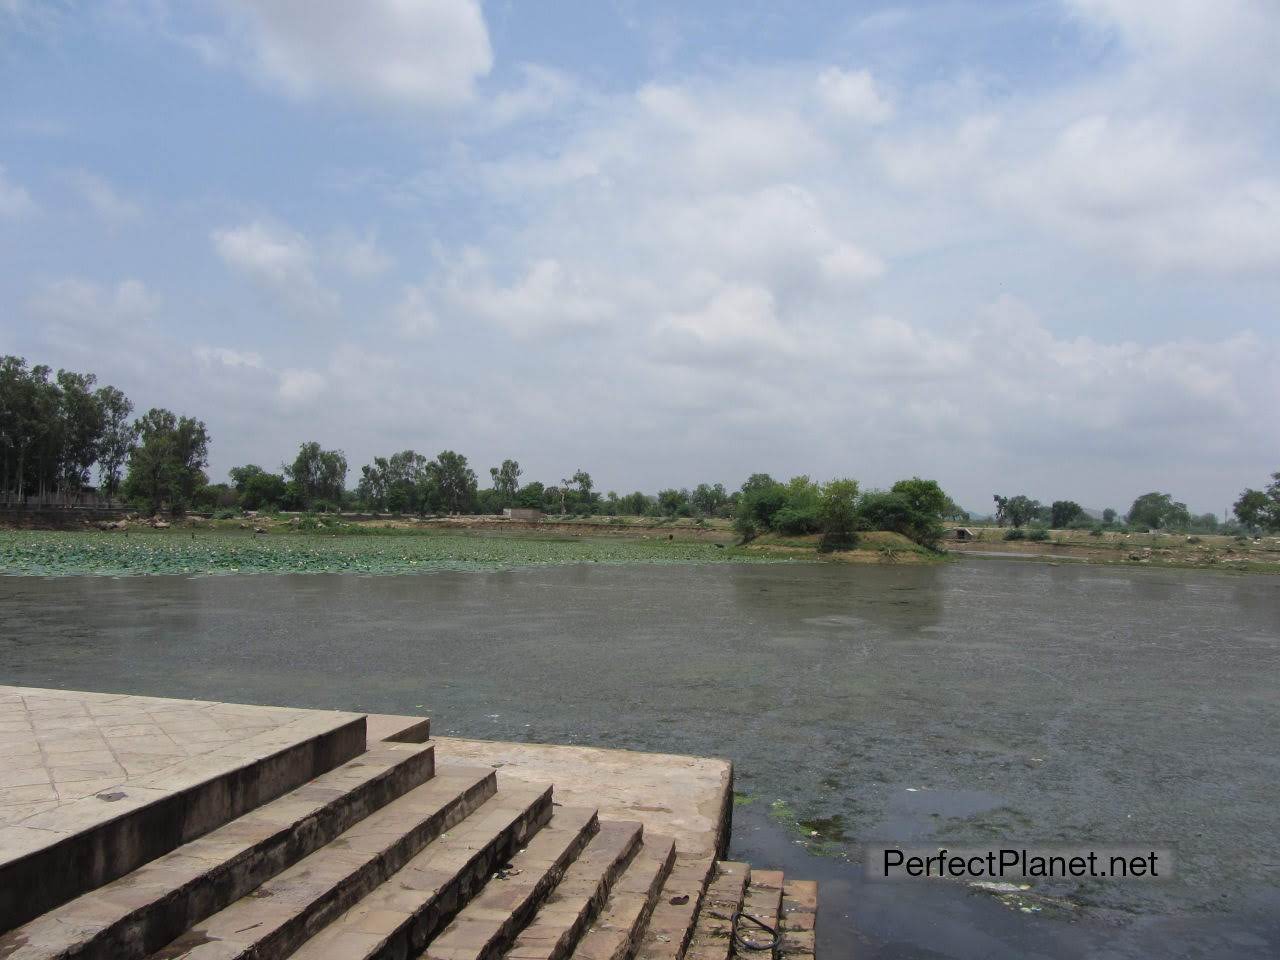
(78, 770)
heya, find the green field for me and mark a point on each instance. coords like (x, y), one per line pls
(184, 551)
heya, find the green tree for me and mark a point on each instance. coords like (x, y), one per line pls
(320, 474)
(506, 482)
(532, 496)
(258, 489)
(582, 480)
(81, 428)
(709, 500)
(1159, 510)
(1109, 515)
(673, 502)
(1017, 510)
(454, 481)
(1063, 512)
(1260, 509)
(116, 440)
(838, 515)
(759, 500)
(800, 513)
(167, 465)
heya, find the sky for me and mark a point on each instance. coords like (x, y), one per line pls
(1026, 247)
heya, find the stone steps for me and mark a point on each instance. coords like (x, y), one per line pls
(614, 934)
(282, 913)
(799, 917)
(579, 896)
(407, 910)
(763, 903)
(142, 804)
(713, 933)
(487, 925)
(670, 927)
(143, 910)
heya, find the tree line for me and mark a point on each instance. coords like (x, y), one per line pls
(55, 429)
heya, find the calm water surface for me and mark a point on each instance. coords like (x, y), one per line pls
(988, 701)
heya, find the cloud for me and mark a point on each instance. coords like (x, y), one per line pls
(300, 387)
(853, 95)
(226, 357)
(361, 257)
(77, 306)
(279, 262)
(103, 198)
(427, 53)
(14, 200)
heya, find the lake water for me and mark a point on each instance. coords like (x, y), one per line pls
(986, 701)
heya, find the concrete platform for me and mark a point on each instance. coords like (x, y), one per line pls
(94, 785)
(135, 828)
(687, 798)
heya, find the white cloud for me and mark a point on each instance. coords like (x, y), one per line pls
(279, 261)
(412, 314)
(299, 388)
(361, 257)
(545, 299)
(81, 307)
(853, 95)
(103, 198)
(15, 201)
(227, 357)
(417, 53)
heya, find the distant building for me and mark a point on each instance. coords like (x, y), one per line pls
(521, 513)
(963, 533)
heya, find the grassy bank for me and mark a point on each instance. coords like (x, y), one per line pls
(1173, 550)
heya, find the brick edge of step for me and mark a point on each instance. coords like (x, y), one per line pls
(671, 923)
(799, 920)
(369, 930)
(551, 851)
(575, 902)
(616, 931)
(317, 906)
(713, 931)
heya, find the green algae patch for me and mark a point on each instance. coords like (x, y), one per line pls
(199, 552)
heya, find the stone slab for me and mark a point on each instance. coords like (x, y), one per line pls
(687, 798)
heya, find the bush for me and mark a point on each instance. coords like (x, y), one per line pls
(1038, 534)
(226, 513)
(796, 520)
(839, 515)
(895, 512)
(1016, 533)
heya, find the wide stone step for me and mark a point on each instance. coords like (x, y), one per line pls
(277, 917)
(713, 933)
(799, 919)
(579, 896)
(489, 923)
(614, 934)
(405, 912)
(143, 910)
(671, 926)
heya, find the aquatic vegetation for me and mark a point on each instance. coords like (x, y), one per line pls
(152, 552)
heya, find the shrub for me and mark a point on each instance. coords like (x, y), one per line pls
(1015, 533)
(1038, 534)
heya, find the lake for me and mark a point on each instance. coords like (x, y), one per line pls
(983, 701)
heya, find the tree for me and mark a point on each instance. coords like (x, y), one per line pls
(257, 488)
(80, 430)
(116, 440)
(1017, 510)
(760, 499)
(709, 501)
(1260, 509)
(582, 480)
(1062, 512)
(454, 481)
(506, 481)
(1108, 515)
(673, 502)
(167, 465)
(799, 513)
(1156, 510)
(838, 515)
(320, 474)
(532, 495)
